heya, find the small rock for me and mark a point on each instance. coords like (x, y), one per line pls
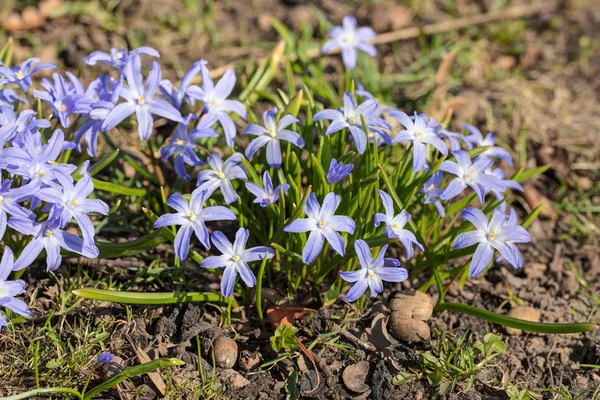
(354, 376)
(31, 18)
(226, 352)
(506, 63)
(298, 16)
(12, 22)
(249, 359)
(409, 311)
(536, 270)
(585, 183)
(523, 312)
(263, 21)
(234, 378)
(535, 198)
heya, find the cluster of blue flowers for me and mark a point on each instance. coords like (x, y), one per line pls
(43, 195)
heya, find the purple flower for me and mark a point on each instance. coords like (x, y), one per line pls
(350, 118)
(191, 216)
(271, 135)
(362, 92)
(432, 192)
(9, 199)
(338, 171)
(104, 102)
(178, 95)
(105, 357)
(215, 100)
(507, 183)
(323, 225)
(65, 97)
(350, 39)
(477, 139)
(21, 74)
(118, 58)
(268, 194)
(34, 161)
(10, 289)
(49, 236)
(499, 233)
(70, 201)
(8, 97)
(235, 259)
(12, 125)
(469, 174)
(221, 174)
(394, 224)
(141, 100)
(420, 133)
(184, 146)
(372, 273)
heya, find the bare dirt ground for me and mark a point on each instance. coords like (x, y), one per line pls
(533, 81)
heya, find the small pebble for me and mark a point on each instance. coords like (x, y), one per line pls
(523, 312)
(226, 352)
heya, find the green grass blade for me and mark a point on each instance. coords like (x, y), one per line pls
(103, 162)
(133, 371)
(118, 189)
(116, 250)
(516, 323)
(122, 297)
(39, 392)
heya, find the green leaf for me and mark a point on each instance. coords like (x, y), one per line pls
(133, 371)
(293, 107)
(530, 173)
(284, 338)
(116, 250)
(39, 392)
(287, 35)
(531, 216)
(291, 386)
(118, 189)
(103, 162)
(251, 171)
(123, 297)
(516, 323)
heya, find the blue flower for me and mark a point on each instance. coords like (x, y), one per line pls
(235, 258)
(500, 233)
(420, 133)
(323, 225)
(191, 216)
(469, 174)
(49, 236)
(65, 97)
(394, 224)
(221, 174)
(372, 273)
(271, 135)
(432, 192)
(338, 171)
(104, 101)
(119, 58)
(141, 100)
(184, 145)
(350, 39)
(9, 199)
(8, 97)
(507, 183)
(12, 125)
(105, 357)
(350, 119)
(178, 95)
(70, 201)
(268, 194)
(477, 139)
(215, 100)
(10, 289)
(362, 92)
(21, 74)
(35, 161)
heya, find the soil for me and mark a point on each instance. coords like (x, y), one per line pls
(557, 105)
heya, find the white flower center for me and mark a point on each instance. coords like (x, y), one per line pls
(492, 235)
(179, 142)
(220, 174)
(468, 176)
(235, 258)
(41, 173)
(431, 187)
(419, 134)
(267, 198)
(73, 203)
(20, 74)
(272, 132)
(48, 233)
(141, 100)
(63, 108)
(322, 223)
(1, 200)
(119, 55)
(352, 119)
(192, 216)
(371, 274)
(395, 226)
